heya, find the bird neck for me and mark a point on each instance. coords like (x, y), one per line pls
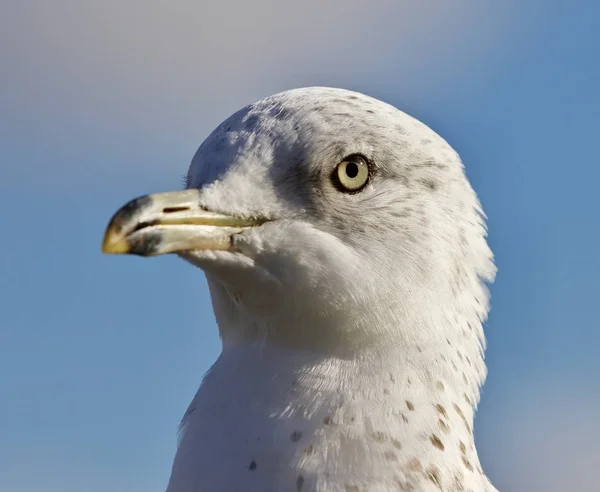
(370, 420)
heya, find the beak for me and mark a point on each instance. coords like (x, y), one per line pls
(172, 222)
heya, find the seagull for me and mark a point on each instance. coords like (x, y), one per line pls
(346, 257)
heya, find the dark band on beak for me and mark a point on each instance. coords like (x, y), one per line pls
(149, 245)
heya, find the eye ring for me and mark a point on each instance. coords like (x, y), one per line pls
(352, 174)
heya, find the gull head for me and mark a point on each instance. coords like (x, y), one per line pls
(325, 220)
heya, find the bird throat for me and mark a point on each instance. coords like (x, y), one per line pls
(274, 419)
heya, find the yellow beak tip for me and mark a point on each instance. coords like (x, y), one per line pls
(114, 245)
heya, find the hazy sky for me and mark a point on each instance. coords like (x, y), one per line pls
(104, 101)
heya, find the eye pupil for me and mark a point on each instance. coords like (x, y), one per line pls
(352, 170)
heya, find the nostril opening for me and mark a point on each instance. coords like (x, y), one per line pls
(170, 210)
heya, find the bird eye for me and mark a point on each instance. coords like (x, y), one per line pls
(352, 174)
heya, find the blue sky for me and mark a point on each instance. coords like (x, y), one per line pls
(101, 102)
